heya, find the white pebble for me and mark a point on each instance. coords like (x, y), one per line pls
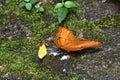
(65, 57)
(54, 53)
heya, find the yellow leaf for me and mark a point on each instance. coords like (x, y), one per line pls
(42, 51)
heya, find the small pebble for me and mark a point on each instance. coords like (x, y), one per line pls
(54, 53)
(65, 57)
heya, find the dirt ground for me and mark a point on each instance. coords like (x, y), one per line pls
(99, 64)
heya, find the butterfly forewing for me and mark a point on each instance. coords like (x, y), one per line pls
(63, 37)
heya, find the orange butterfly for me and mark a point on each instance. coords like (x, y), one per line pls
(67, 41)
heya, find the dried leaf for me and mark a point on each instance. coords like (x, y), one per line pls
(42, 51)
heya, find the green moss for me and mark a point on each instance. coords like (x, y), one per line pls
(113, 21)
(16, 55)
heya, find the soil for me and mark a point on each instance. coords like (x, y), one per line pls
(14, 30)
(99, 63)
(96, 9)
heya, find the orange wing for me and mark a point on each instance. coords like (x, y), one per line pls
(75, 46)
(63, 37)
(67, 41)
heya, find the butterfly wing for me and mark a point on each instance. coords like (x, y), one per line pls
(79, 45)
(63, 37)
(67, 41)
